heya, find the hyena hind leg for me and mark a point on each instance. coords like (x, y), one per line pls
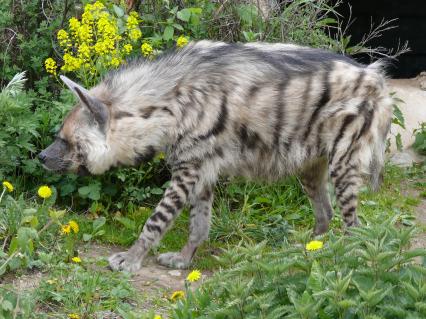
(200, 214)
(346, 179)
(314, 179)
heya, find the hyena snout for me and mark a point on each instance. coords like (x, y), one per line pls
(53, 157)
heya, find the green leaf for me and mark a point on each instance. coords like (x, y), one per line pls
(92, 191)
(157, 191)
(126, 222)
(118, 11)
(184, 14)
(398, 118)
(87, 237)
(168, 33)
(98, 223)
(7, 305)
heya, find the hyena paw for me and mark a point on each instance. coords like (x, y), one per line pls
(124, 261)
(173, 260)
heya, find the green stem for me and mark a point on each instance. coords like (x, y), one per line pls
(2, 193)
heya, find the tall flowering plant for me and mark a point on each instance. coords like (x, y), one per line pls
(97, 42)
(102, 39)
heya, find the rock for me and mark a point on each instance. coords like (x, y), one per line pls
(174, 273)
(413, 108)
(406, 158)
(421, 78)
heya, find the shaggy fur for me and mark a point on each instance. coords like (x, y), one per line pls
(262, 111)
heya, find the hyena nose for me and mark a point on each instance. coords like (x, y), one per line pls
(42, 157)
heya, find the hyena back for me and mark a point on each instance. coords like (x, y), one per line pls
(262, 111)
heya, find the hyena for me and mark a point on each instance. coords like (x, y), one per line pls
(262, 111)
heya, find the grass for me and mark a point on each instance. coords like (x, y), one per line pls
(244, 212)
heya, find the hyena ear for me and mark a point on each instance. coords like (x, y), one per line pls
(96, 107)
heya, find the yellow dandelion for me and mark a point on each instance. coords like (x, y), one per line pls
(73, 316)
(66, 229)
(8, 186)
(52, 281)
(194, 275)
(76, 259)
(181, 41)
(146, 49)
(44, 191)
(178, 294)
(157, 317)
(74, 226)
(314, 245)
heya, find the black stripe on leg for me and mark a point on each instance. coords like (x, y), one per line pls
(342, 190)
(159, 215)
(347, 200)
(152, 228)
(171, 210)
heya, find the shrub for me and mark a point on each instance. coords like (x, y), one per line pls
(370, 274)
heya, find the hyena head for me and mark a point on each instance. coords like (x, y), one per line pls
(87, 142)
(81, 144)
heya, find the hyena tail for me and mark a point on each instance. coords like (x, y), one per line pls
(380, 125)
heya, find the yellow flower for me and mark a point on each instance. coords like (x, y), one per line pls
(157, 317)
(63, 38)
(8, 186)
(146, 49)
(84, 33)
(76, 259)
(74, 24)
(127, 48)
(44, 192)
(181, 41)
(314, 245)
(73, 316)
(66, 229)
(178, 294)
(87, 17)
(50, 65)
(98, 6)
(194, 275)
(52, 281)
(71, 63)
(84, 51)
(74, 226)
(135, 34)
(132, 21)
(115, 62)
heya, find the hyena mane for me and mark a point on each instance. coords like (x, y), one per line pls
(257, 110)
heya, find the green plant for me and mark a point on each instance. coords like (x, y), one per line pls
(420, 139)
(28, 233)
(370, 274)
(15, 305)
(72, 288)
(398, 118)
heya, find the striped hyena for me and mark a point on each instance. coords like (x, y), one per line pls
(262, 111)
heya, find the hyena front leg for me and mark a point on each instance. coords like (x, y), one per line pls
(200, 214)
(314, 179)
(170, 206)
